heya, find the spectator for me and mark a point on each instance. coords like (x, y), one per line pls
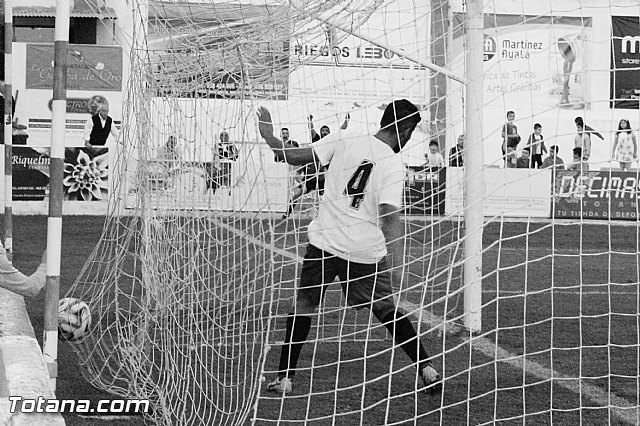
(98, 128)
(169, 151)
(510, 136)
(588, 129)
(456, 158)
(536, 146)
(583, 141)
(553, 161)
(579, 163)
(523, 162)
(165, 166)
(325, 130)
(625, 147)
(511, 159)
(218, 173)
(13, 105)
(433, 157)
(289, 143)
(228, 153)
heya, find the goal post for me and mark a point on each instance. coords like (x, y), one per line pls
(473, 181)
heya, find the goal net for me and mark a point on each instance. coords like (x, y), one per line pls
(193, 279)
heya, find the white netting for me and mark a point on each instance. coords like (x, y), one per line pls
(191, 282)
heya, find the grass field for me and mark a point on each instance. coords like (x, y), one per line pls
(559, 342)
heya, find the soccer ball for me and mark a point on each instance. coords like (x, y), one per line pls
(74, 319)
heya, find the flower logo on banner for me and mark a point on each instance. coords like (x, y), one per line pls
(87, 178)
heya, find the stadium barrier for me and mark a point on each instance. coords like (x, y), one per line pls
(519, 193)
(23, 371)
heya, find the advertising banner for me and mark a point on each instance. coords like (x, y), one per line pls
(595, 195)
(625, 62)
(90, 67)
(424, 191)
(86, 174)
(506, 192)
(329, 62)
(33, 100)
(30, 173)
(539, 60)
(207, 57)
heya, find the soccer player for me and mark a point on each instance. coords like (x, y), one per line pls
(16, 281)
(357, 236)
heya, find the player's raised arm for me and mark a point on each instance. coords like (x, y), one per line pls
(292, 155)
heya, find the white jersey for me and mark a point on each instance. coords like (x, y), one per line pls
(364, 173)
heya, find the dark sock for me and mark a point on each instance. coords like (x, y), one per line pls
(289, 209)
(298, 327)
(405, 336)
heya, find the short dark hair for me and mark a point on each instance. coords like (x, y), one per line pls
(555, 148)
(511, 112)
(433, 142)
(537, 126)
(579, 121)
(325, 127)
(527, 149)
(400, 112)
(283, 129)
(577, 151)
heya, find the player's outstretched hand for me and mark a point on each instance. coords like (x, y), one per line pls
(265, 125)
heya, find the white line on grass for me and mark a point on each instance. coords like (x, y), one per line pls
(620, 407)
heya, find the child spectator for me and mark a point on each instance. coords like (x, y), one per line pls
(433, 157)
(579, 163)
(583, 141)
(553, 161)
(523, 161)
(590, 130)
(536, 146)
(510, 136)
(625, 147)
(455, 155)
(511, 158)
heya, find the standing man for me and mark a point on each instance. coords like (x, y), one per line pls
(456, 158)
(325, 130)
(227, 153)
(98, 128)
(218, 171)
(357, 236)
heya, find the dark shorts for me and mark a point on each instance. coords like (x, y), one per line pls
(314, 183)
(364, 285)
